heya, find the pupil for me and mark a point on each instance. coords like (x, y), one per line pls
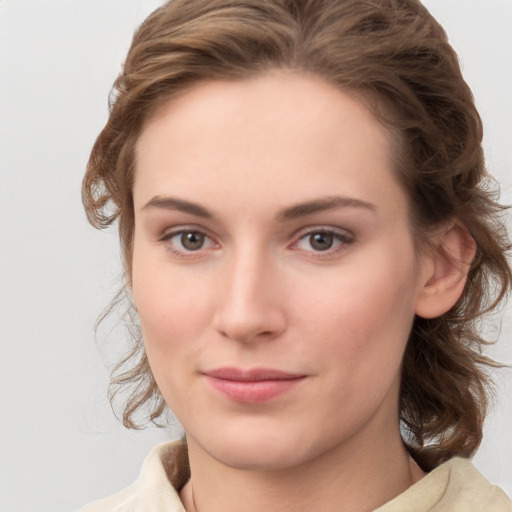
(321, 241)
(192, 240)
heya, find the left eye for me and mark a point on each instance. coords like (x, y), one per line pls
(189, 241)
(321, 241)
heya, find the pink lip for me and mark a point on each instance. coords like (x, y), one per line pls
(252, 386)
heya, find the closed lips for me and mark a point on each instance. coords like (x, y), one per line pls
(254, 375)
(252, 386)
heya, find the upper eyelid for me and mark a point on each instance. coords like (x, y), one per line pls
(179, 228)
(342, 232)
(183, 228)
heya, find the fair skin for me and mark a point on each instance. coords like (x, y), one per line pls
(276, 280)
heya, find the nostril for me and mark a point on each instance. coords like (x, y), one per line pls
(251, 328)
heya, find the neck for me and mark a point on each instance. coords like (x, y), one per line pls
(361, 479)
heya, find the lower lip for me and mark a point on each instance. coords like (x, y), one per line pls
(253, 391)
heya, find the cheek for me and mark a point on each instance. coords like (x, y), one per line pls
(172, 307)
(169, 320)
(172, 320)
(362, 320)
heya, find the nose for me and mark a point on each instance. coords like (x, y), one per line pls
(250, 305)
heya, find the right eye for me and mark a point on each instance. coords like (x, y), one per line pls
(186, 241)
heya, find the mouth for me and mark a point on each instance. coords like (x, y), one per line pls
(257, 385)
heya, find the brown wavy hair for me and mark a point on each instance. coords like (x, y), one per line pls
(396, 57)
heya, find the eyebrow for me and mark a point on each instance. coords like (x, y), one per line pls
(322, 204)
(293, 212)
(173, 203)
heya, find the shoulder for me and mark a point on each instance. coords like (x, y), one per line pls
(163, 473)
(455, 486)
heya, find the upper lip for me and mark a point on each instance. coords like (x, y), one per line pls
(251, 375)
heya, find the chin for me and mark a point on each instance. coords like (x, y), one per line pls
(262, 451)
(258, 458)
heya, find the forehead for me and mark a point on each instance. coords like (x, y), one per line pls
(291, 133)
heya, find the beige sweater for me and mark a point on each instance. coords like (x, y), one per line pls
(455, 486)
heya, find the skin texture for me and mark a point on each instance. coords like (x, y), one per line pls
(226, 164)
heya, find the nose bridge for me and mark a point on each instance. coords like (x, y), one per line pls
(248, 305)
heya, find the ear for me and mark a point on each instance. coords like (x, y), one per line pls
(445, 271)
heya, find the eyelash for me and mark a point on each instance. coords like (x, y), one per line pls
(341, 241)
(184, 253)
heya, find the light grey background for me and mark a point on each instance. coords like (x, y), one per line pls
(60, 446)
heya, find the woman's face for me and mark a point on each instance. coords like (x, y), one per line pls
(273, 269)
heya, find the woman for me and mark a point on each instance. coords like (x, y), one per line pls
(309, 240)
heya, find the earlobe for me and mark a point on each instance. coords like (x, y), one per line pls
(445, 272)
